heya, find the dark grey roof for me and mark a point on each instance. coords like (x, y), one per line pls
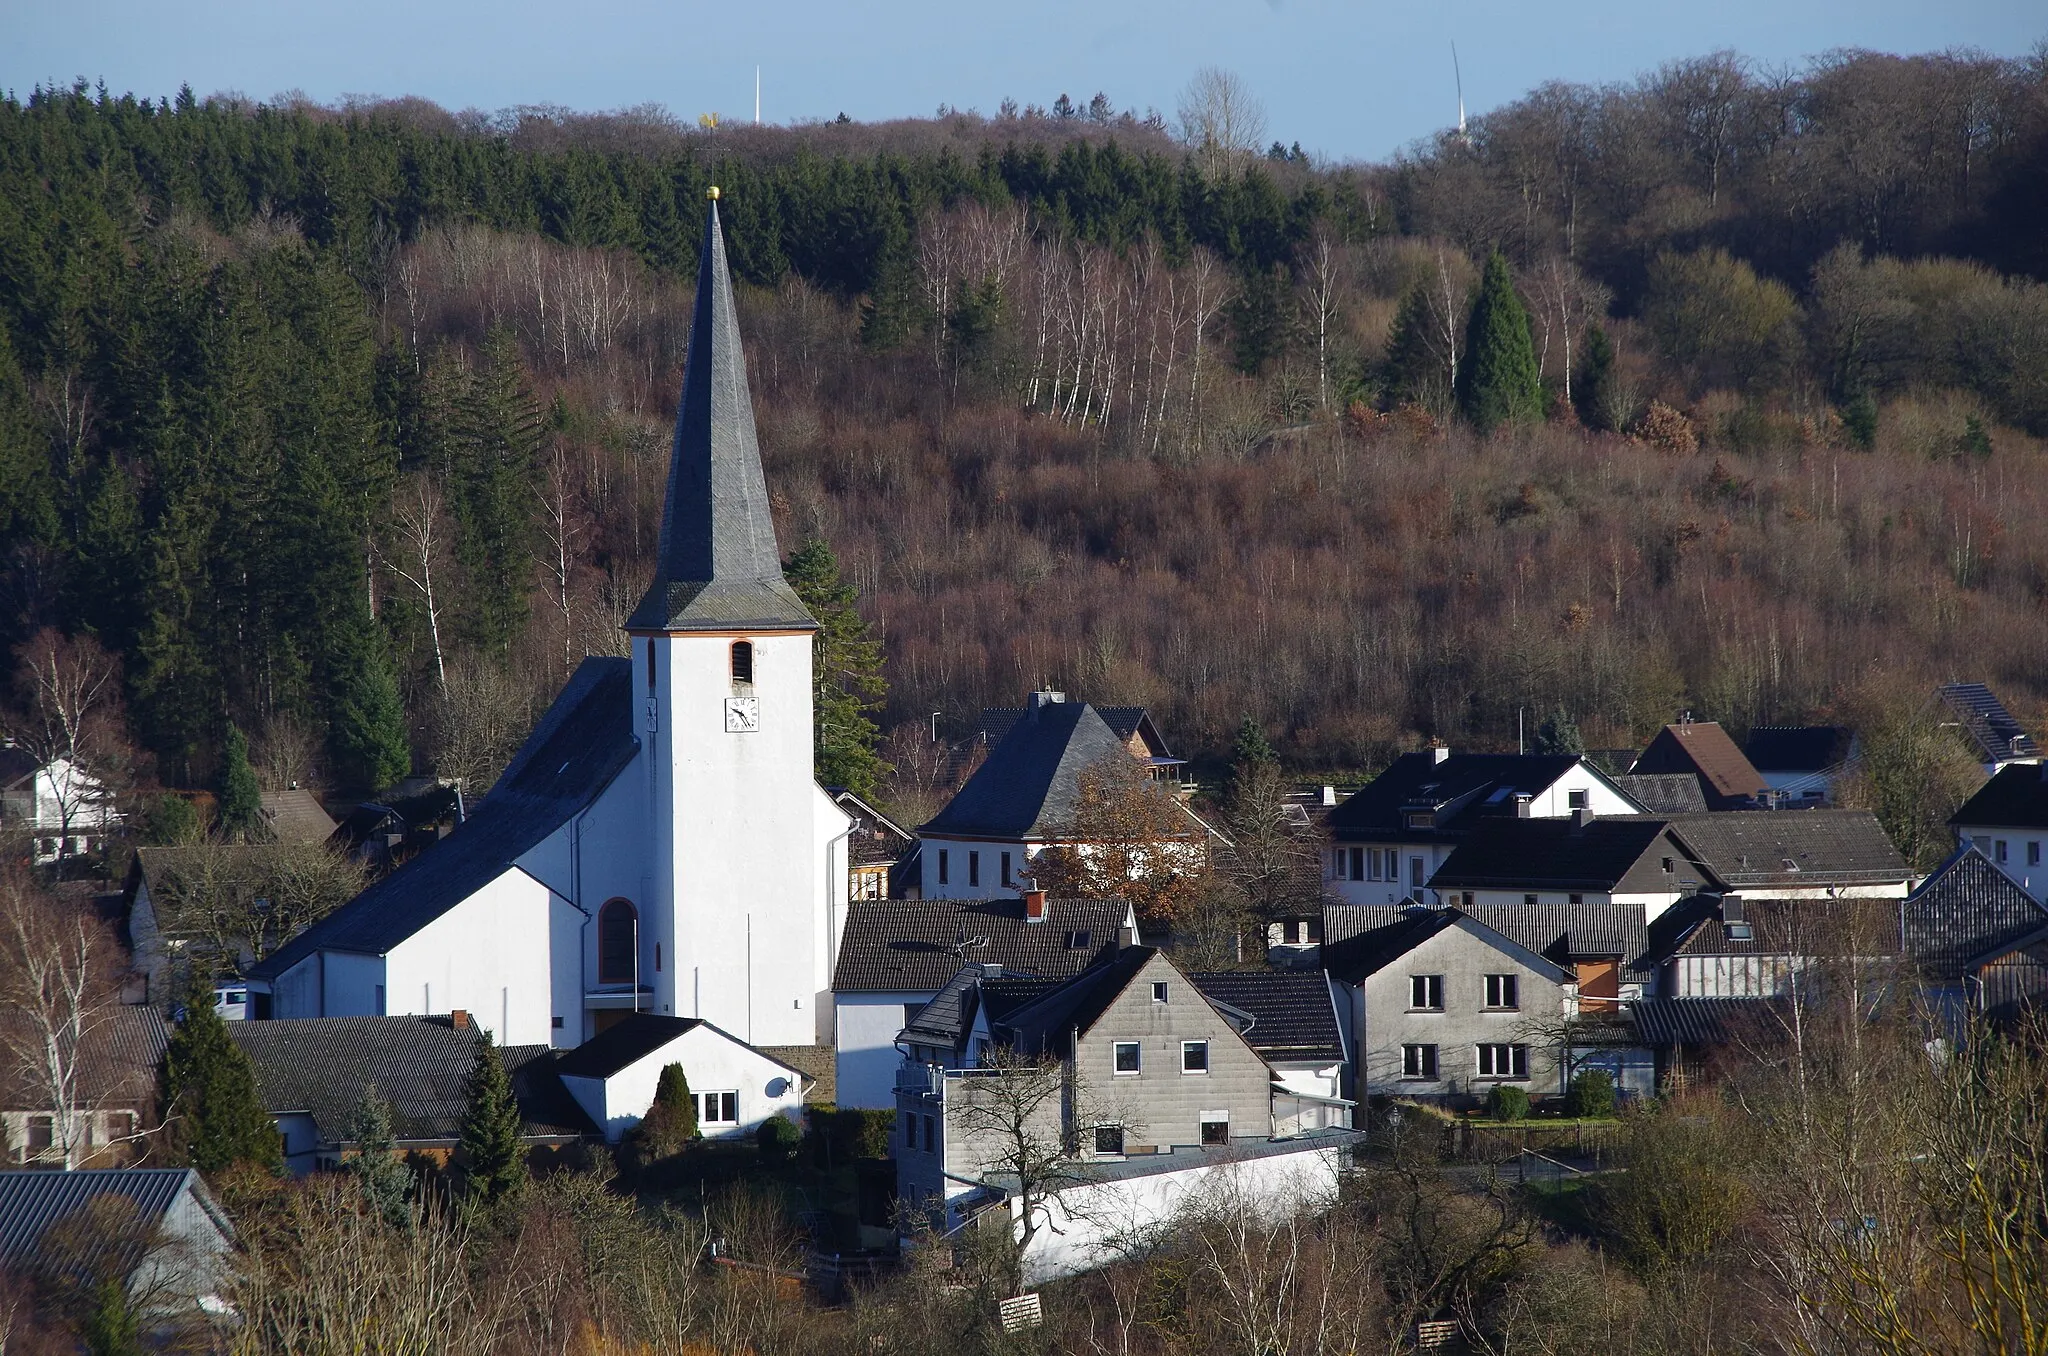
(1361, 938)
(1797, 748)
(718, 568)
(1293, 1017)
(874, 839)
(635, 1037)
(916, 945)
(1030, 782)
(1989, 725)
(115, 1063)
(31, 1202)
(1049, 1023)
(1458, 792)
(1708, 1021)
(1966, 909)
(583, 741)
(1796, 927)
(1703, 748)
(1665, 793)
(1556, 854)
(1125, 721)
(420, 1065)
(1751, 849)
(2015, 797)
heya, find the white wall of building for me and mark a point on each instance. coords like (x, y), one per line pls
(713, 1062)
(2021, 853)
(866, 1058)
(487, 955)
(959, 866)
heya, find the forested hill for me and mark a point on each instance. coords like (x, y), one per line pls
(348, 427)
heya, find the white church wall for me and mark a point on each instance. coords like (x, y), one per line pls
(832, 824)
(484, 955)
(866, 1059)
(713, 1062)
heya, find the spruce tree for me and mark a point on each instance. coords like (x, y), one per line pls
(1558, 734)
(241, 800)
(385, 1180)
(493, 1163)
(492, 476)
(1593, 383)
(366, 733)
(1412, 371)
(671, 1123)
(209, 1089)
(1498, 381)
(1250, 757)
(846, 673)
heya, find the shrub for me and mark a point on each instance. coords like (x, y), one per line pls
(1666, 429)
(1507, 1104)
(1591, 1094)
(778, 1138)
(844, 1134)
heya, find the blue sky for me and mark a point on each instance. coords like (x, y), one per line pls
(1347, 80)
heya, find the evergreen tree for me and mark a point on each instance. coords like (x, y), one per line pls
(1498, 381)
(1593, 383)
(1250, 757)
(846, 673)
(241, 800)
(366, 722)
(492, 1161)
(1413, 372)
(670, 1124)
(385, 1180)
(491, 478)
(1558, 734)
(209, 1089)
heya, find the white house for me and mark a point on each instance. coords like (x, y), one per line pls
(613, 1076)
(659, 844)
(1388, 838)
(66, 809)
(2007, 821)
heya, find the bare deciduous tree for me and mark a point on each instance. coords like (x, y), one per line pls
(419, 520)
(1221, 120)
(58, 984)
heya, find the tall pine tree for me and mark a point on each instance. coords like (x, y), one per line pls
(209, 1088)
(492, 477)
(1593, 383)
(493, 1163)
(241, 800)
(1498, 382)
(846, 673)
(366, 721)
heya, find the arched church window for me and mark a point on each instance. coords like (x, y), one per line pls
(618, 938)
(743, 661)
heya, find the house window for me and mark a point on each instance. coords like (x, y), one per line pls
(1502, 991)
(2034, 853)
(1358, 863)
(1418, 1061)
(1079, 939)
(380, 1000)
(1998, 852)
(1426, 993)
(42, 1134)
(1215, 1127)
(618, 939)
(1529, 900)
(1159, 991)
(1415, 877)
(1109, 1139)
(650, 668)
(974, 868)
(718, 1108)
(1504, 1061)
(1667, 866)
(944, 863)
(1372, 864)
(931, 1135)
(1126, 1057)
(1576, 898)
(1194, 1057)
(743, 661)
(1575, 800)
(1425, 819)
(1468, 899)
(1006, 870)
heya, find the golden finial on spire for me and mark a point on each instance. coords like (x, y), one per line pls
(713, 194)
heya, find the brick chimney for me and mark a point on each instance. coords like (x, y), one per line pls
(1034, 906)
(1042, 699)
(459, 1019)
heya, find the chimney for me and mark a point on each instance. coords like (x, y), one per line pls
(1582, 816)
(1034, 906)
(1044, 698)
(459, 1019)
(1521, 805)
(1126, 937)
(1438, 751)
(1330, 792)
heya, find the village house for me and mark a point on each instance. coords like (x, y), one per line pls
(1990, 730)
(1802, 764)
(1131, 724)
(1817, 854)
(895, 956)
(881, 855)
(312, 1075)
(1635, 861)
(62, 808)
(170, 1237)
(1389, 838)
(2007, 821)
(1289, 1017)
(108, 1083)
(614, 1076)
(1702, 749)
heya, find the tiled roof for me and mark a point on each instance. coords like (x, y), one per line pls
(2016, 797)
(1798, 927)
(1125, 721)
(1708, 1021)
(585, 739)
(1460, 789)
(1361, 938)
(1703, 747)
(1798, 748)
(1665, 793)
(296, 816)
(1990, 726)
(117, 1061)
(625, 1042)
(1030, 783)
(1756, 849)
(874, 839)
(1555, 854)
(1966, 909)
(31, 1202)
(916, 945)
(1293, 1016)
(1049, 1023)
(420, 1065)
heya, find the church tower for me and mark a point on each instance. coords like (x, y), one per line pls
(737, 925)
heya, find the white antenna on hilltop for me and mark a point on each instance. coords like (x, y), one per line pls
(1460, 77)
(757, 99)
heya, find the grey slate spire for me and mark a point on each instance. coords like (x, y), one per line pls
(719, 568)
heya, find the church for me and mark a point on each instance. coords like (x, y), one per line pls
(659, 844)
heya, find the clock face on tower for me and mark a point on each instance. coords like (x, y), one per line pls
(742, 715)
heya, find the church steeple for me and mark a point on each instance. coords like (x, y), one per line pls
(719, 567)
